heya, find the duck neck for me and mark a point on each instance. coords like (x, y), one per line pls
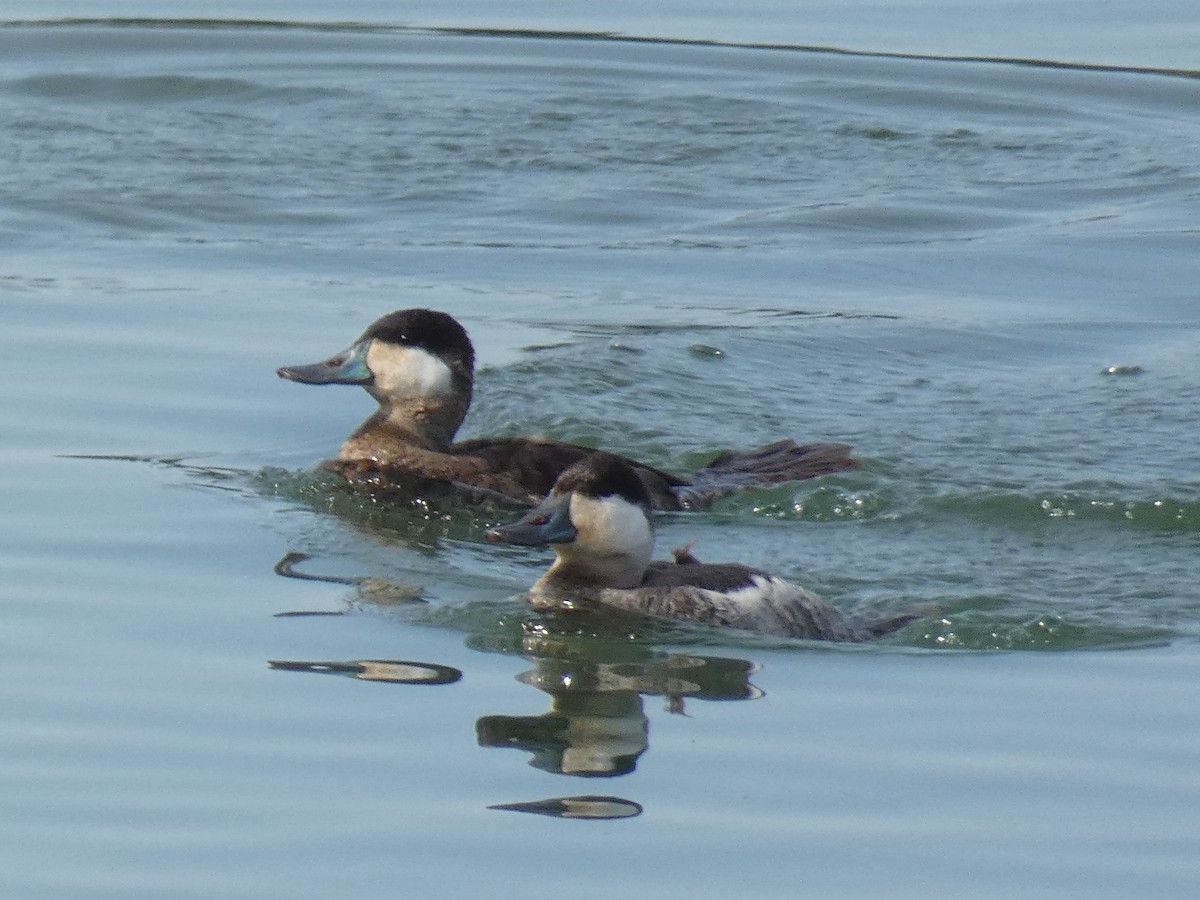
(426, 422)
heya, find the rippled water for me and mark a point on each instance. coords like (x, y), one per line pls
(981, 275)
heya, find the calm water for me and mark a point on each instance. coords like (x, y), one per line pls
(981, 275)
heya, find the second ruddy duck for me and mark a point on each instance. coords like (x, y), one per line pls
(419, 365)
(597, 519)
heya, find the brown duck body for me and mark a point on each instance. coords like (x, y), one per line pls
(419, 366)
(521, 469)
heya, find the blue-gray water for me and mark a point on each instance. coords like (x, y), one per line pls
(663, 249)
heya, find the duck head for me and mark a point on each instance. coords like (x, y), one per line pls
(597, 519)
(418, 364)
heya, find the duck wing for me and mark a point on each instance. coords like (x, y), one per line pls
(767, 605)
(738, 596)
(690, 572)
(528, 467)
(769, 464)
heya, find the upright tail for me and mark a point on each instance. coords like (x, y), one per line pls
(770, 464)
(883, 627)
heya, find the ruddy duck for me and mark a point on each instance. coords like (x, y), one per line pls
(597, 519)
(419, 365)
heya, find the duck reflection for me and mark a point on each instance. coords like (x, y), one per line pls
(392, 671)
(588, 806)
(596, 725)
(367, 591)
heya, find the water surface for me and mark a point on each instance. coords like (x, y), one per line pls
(983, 276)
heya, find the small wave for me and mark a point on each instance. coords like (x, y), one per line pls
(395, 516)
(1152, 514)
(996, 631)
(858, 498)
(968, 630)
(155, 89)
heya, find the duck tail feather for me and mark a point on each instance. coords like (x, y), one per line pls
(773, 463)
(883, 627)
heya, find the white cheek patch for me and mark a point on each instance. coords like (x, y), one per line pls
(611, 525)
(407, 371)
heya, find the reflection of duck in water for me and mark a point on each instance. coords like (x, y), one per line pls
(597, 518)
(419, 365)
(588, 806)
(596, 725)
